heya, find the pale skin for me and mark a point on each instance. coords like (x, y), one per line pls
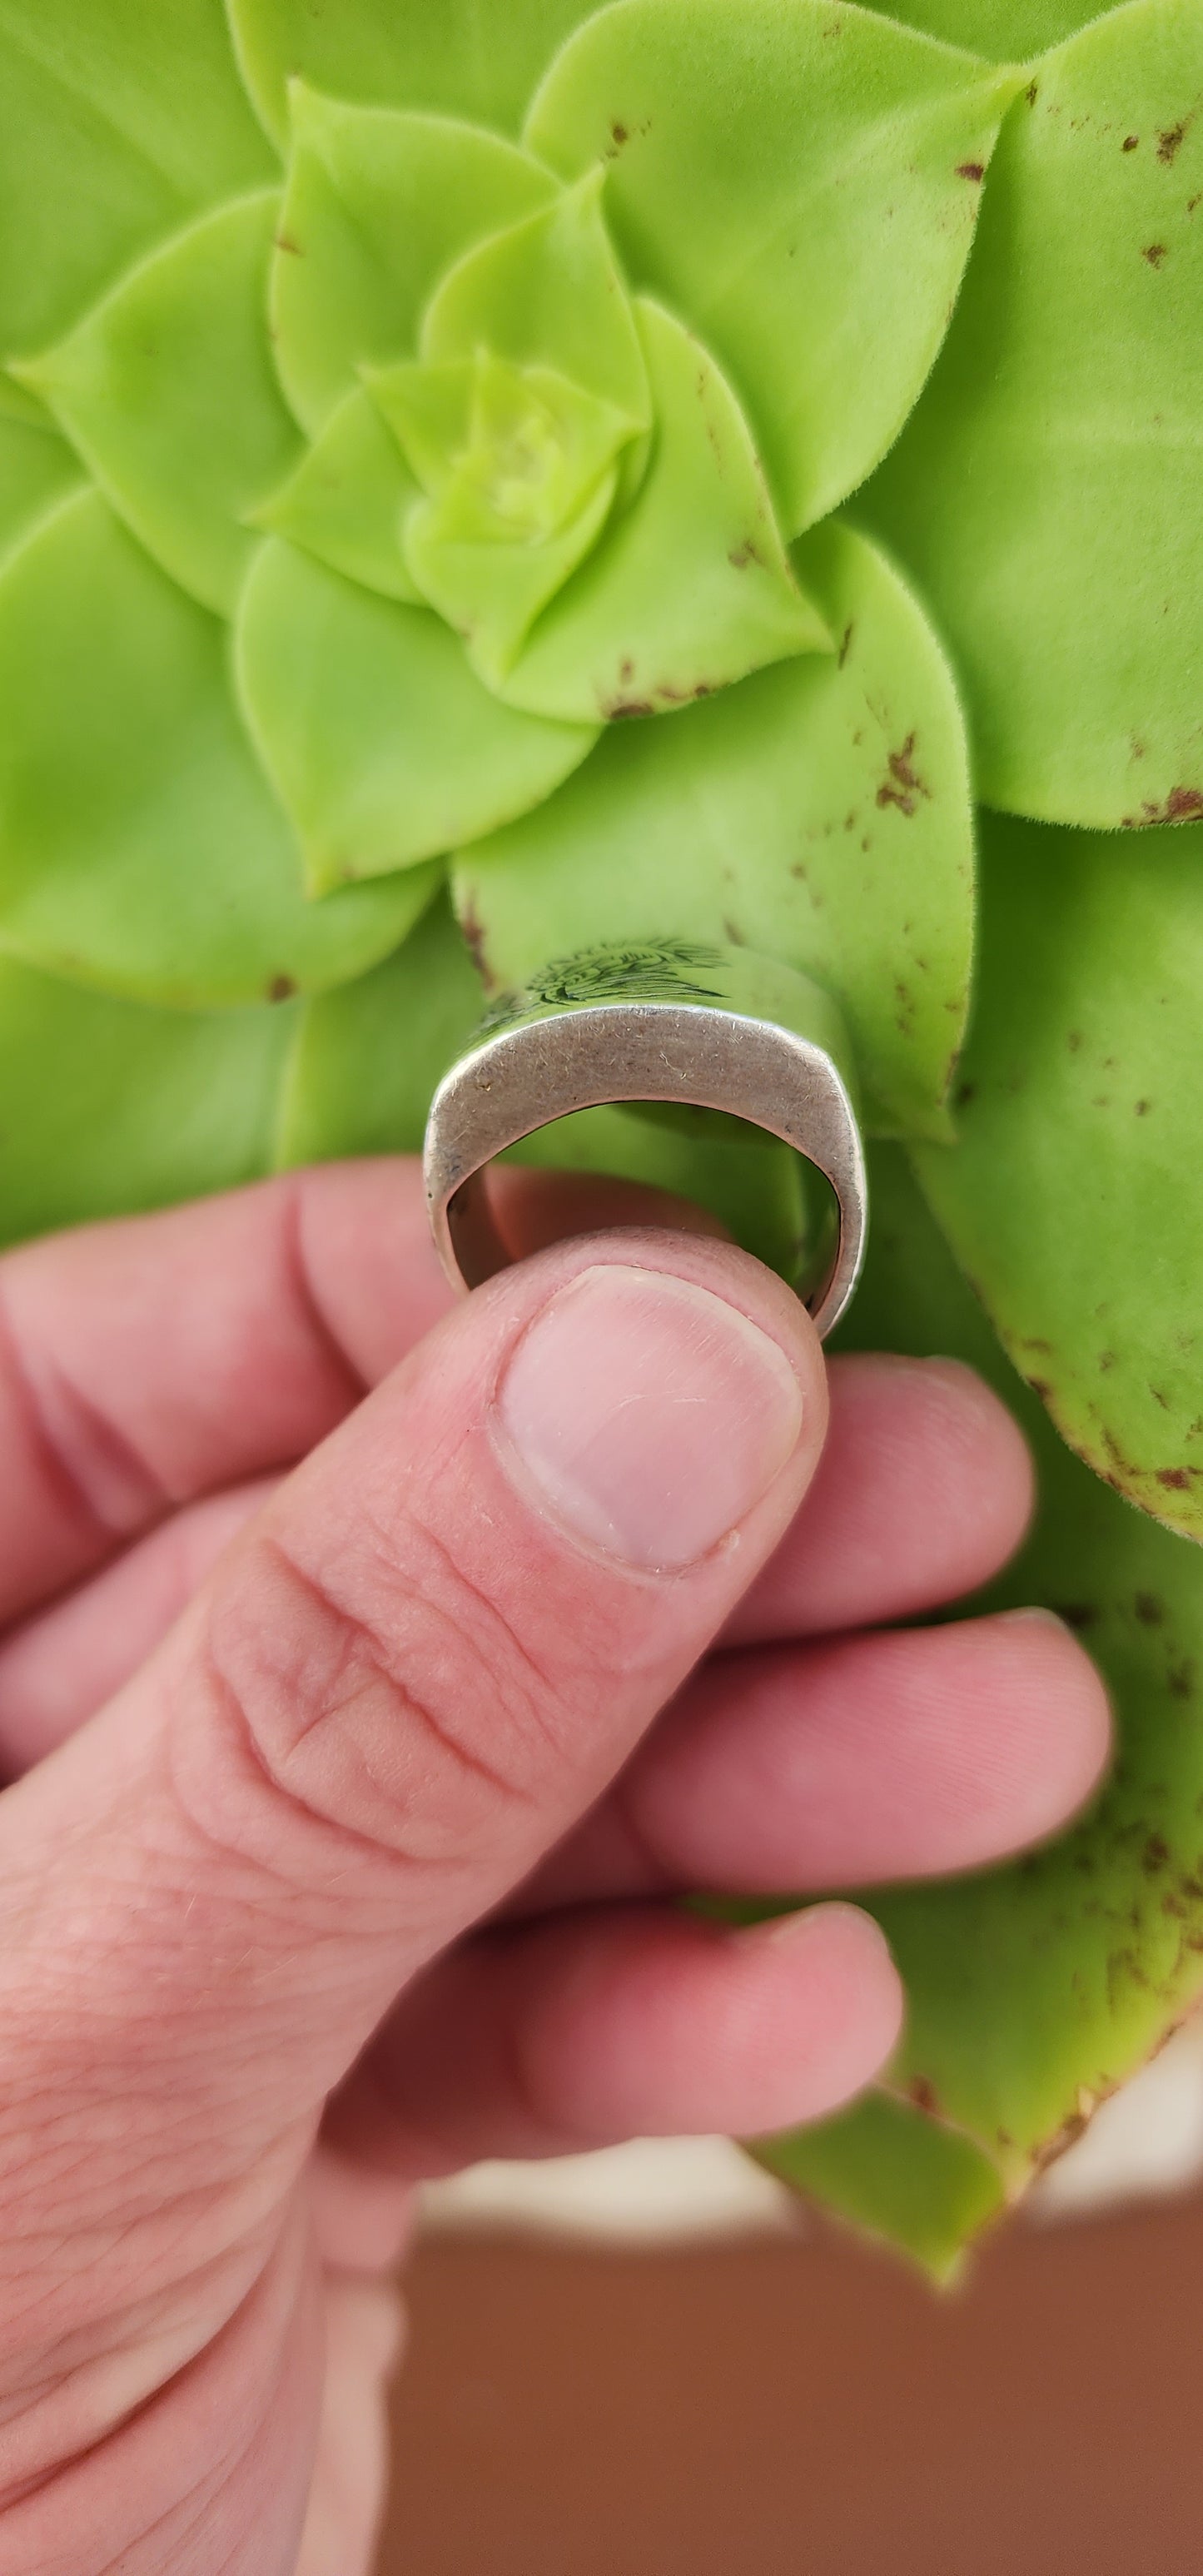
(377, 1671)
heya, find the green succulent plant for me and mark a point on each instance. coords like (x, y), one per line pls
(481, 479)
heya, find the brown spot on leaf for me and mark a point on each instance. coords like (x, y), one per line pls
(614, 709)
(1150, 1610)
(1066, 2136)
(1182, 805)
(281, 988)
(1169, 143)
(1130, 142)
(1155, 1854)
(618, 135)
(1181, 1678)
(923, 2094)
(1143, 1107)
(472, 933)
(1154, 252)
(1078, 1615)
(971, 169)
(743, 554)
(284, 242)
(845, 641)
(902, 786)
(1177, 1480)
(671, 697)
(1031, 93)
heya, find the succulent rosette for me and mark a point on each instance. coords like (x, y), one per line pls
(478, 481)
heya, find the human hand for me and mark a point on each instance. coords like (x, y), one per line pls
(344, 1829)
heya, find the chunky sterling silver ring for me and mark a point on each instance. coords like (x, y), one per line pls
(662, 1022)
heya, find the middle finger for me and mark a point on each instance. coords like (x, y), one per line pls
(847, 1764)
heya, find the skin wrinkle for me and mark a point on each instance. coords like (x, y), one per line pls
(648, 1862)
(304, 1289)
(80, 2441)
(467, 1614)
(532, 2096)
(361, 1647)
(50, 1412)
(235, 2199)
(421, 2148)
(225, 1703)
(153, 1881)
(90, 2395)
(430, 2156)
(239, 2443)
(525, 1660)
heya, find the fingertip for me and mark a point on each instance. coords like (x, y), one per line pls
(987, 1448)
(857, 1760)
(924, 1491)
(670, 2026)
(838, 1989)
(938, 1430)
(1048, 1674)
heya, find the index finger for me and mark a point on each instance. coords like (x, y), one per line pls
(146, 1362)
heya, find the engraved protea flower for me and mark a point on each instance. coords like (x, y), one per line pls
(488, 484)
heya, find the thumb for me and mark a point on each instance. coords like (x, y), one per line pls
(404, 1682)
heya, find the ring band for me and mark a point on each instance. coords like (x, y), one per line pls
(665, 1023)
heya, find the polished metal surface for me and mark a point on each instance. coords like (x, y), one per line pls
(555, 1059)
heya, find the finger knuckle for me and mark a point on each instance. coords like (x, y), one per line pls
(390, 1704)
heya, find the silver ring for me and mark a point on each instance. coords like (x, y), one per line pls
(662, 1022)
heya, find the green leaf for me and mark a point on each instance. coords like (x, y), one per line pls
(1048, 493)
(819, 811)
(753, 1185)
(16, 403)
(348, 499)
(893, 2174)
(376, 207)
(1069, 1198)
(368, 1058)
(139, 846)
(123, 1107)
(382, 745)
(513, 509)
(801, 183)
(37, 469)
(168, 392)
(1012, 34)
(1036, 1987)
(473, 58)
(117, 122)
(690, 588)
(547, 292)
